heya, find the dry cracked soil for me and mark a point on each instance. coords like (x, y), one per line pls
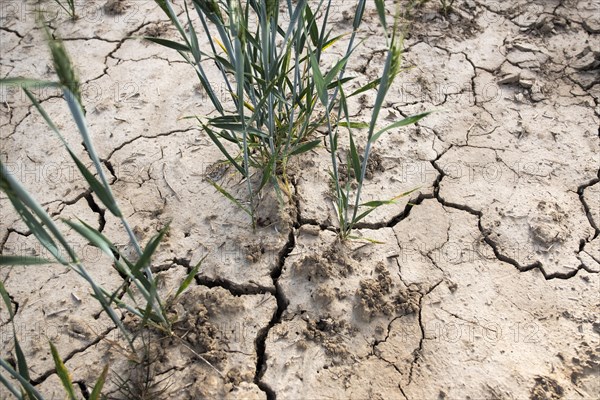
(484, 283)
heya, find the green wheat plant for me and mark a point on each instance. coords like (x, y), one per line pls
(349, 209)
(279, 92)
(271, 112)
(21, 387)
(139, 283)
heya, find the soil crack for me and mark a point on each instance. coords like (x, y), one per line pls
(495, 248)
(282, 304)
(72, 354)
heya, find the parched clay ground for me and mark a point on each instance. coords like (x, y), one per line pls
(486, 285)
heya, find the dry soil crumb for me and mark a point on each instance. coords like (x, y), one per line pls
(332, 263)
(114, 7)
(330, 334)
(194, 312)
(376, 297)
(546, 389)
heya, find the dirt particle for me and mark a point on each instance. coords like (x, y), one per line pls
(374, 165)
(115, 7)
(332, 263)
(254, 252)
(546, 389)
(156, 30)
(330, 334)
(547, 224)
(375, 296)
(216, 171)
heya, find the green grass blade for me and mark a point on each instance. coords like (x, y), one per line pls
(98, 188)
(360, 10)
(406, 121)
(267, 171)
(144, 261)
(62, 373)
(96, 392)
(23, 260)
(354, 125)
(79, 118)
(28, 83)
(189, 278)
(223, 150)
(355, 159)
(7, 302)
(63, 66)
(230, 197)
(377, 203)
(21, 361)
(168, 43)
(36, 227)
(29, 389)
(9, 386)
(93, 237)
(304, 147)
(379, 4)
(319, 81)
(371, 85)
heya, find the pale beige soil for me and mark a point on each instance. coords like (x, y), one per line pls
(486, 285)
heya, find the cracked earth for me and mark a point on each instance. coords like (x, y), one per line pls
(486, 281)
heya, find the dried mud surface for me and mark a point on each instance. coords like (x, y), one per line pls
(485, 283)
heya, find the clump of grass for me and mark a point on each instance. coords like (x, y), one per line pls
(137, 272)
(139, 283)
(140, 381)
(19, 370)
(349, 208)
(279, 93)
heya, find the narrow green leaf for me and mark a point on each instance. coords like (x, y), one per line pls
(267, 172)
(368, 86)
(312, 25)
(230, 197)
(23, 260)
(354, 125)
(147, 314)
(189, 278)
(353, 237)
(377, 203)
(218, 143)
(240, 128)
(94, 237)
(319, 80)
(331, 42)
(355, 159)
(21, 361)
(6, 299)
(28, 83)
(304, 147)
(360, 10)
(103, 194)
(335, 70)
(406, 193)
(149, 251)
(38, 230)
(25, 383)
(62, 373)
(11, 388)
(363, 215)
(96, 392)
(168, 43)
(406, 121)
(379, 4)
